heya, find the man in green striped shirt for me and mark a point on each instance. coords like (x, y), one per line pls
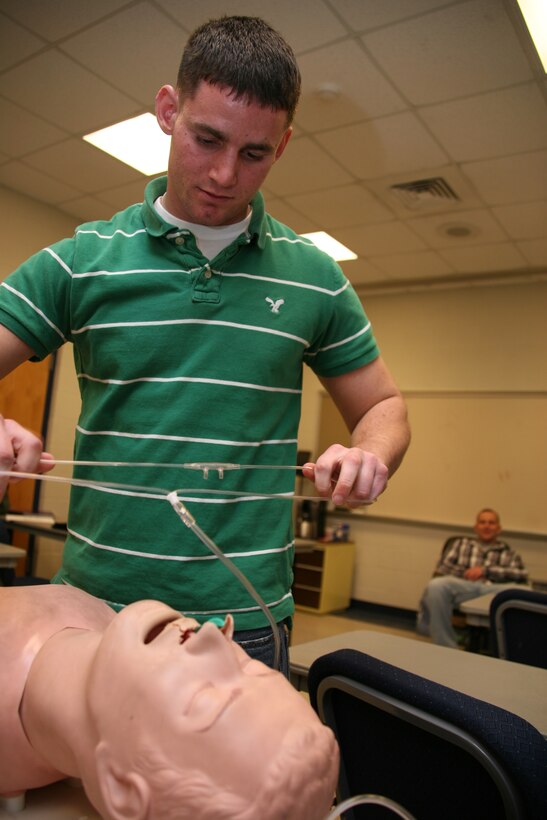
(191, 316)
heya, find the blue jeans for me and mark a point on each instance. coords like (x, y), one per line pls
(260, 645)
(442, 595)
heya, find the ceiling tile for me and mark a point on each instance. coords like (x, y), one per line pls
(490, 125)
(341, 207)
(463, 49)
(388, 145)
(521, 178)
(86, 209)
(480, 127)
(482, 227)
(376, 240)
(23, 132)
(124, 38)
(283, 212)
(84, 164)
(484, 258)
(362, 272)
(525, 221)
(535, 251)
(15, 43)
(305, 25)
(333, 91)
(305, 167)
(80, 102)
(466, 196)
(421, 265)
(34, 183)
(58, 18)
(121, 196)
(365, 16)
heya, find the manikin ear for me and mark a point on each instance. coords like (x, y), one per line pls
(167, 106)
(126, 795)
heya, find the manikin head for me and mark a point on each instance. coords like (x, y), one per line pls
(188, 726)
(487, 525)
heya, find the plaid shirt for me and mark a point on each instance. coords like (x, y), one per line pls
(500, 562)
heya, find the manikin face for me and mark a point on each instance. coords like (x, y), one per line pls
(487, 526)
(196, 697)
(221, 151)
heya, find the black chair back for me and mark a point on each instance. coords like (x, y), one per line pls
(436, 752)
(518, 624)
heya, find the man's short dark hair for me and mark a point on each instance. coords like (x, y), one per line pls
(246, 55)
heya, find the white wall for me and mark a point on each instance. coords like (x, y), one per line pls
(27, 226)
(483, 341)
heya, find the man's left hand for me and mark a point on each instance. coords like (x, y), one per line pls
(349, 475)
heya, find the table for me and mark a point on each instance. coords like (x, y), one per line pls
(58, 532)
(10, 555)
(477, 610)
(515, 687)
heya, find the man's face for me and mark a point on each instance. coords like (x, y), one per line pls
(222, 149)
(487, 526)
(194, 697)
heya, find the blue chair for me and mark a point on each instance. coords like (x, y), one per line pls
(435, 751)
(518, 624)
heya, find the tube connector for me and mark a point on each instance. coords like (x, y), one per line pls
(219, 466)
(185, 516)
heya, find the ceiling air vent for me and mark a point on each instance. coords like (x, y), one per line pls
(423, 193)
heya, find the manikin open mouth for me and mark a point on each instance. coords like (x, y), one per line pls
(186, 631)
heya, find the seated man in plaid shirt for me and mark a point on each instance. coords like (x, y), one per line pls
(469, 567)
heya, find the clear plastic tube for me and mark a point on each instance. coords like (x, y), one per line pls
(374, 799)
(191, 522)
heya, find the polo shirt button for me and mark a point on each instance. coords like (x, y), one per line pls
(207, 274)
(179, 240)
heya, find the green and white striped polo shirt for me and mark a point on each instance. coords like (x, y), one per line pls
(183, 360)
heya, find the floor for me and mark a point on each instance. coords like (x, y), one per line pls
(308, 626)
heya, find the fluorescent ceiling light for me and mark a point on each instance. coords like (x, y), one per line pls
(139, 142)
(331, 246)
(535, 15)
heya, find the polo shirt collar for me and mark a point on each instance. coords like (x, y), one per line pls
(155, 225)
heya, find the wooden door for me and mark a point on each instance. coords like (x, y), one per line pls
(23, 396)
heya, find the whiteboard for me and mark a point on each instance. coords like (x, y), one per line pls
(468, 451)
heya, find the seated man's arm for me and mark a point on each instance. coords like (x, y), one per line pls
(510, 569)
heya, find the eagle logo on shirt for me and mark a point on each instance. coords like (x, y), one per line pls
(275, 305)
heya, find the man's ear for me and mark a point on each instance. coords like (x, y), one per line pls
(126, 795)
(283, 143)
(167, 106)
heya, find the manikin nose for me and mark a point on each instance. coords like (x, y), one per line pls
(209, 640)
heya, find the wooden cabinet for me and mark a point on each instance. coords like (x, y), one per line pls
(323, 576)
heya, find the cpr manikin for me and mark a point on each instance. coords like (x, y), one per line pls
(160, 720)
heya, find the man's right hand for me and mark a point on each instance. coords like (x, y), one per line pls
(474, 573)
(20, 451)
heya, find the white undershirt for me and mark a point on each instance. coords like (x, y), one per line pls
(210, 241)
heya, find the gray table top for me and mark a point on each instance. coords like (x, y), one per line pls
(512, 686)
(6, 550)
